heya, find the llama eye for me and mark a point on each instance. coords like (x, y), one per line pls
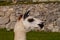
(30, 20)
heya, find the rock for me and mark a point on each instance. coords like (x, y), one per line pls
(2, 26)
(9, 12)
(10, 26)
(4, 20)
(11, 9)
(34, 0)
(56, 29)
(52, 0)
(50, 27)
(49, 12)
(1, 14)
(5, 8)
(53, 28)
(58, 22)
(12, 18)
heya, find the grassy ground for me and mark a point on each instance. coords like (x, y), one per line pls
(4, 35)
(4, 3)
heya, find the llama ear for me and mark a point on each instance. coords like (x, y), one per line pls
(26, 14)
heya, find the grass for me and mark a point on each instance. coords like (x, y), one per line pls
(4, 3)
(43, 36)
(4, 35)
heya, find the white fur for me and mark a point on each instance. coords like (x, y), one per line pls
(22, 26)
(33, 25)
(19, 31)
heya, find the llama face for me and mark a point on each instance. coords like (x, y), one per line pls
(31, 23)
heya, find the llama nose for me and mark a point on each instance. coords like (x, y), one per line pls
(41, 25)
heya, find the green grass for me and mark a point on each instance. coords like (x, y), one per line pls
(43, 36)
(4, 35)
(4, 3)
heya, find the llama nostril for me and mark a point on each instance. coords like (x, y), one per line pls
(41, 25)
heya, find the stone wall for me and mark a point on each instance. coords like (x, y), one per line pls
(44, 0)
(49, 12)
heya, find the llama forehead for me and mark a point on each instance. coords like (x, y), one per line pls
(36, 21)
(31, 17)
(28, 18)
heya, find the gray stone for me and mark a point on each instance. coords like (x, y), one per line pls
(12, 18)
(2, 26)
(49, 12)
(52, 28)
(4, 20)
(1, 14)
(10, 26)
(58, 22)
